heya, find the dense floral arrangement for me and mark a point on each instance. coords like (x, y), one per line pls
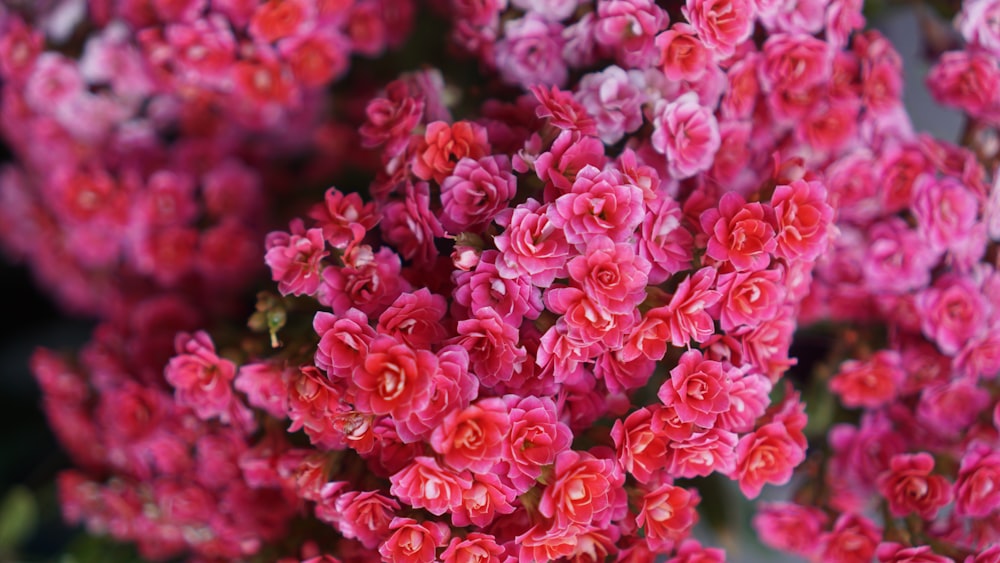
(561, 296)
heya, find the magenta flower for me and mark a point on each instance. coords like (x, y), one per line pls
(803, 219)
(484, 288)
(766, 455)
(663, 241)
(749, 298)
(393, 378)
(687, 313)
(536, 438)
(952, 312)
(343, 341)
(628, 28)
(494, 352)
(476, 192)
(721, 24)
(945, 210)
(472, 438)
(530, 52)
(415, 319)
(295, 258)
(687, 133)
(413, 542)
(610, 274)
(425, 484)
(365, 516)
(790, 527)
(977, 489)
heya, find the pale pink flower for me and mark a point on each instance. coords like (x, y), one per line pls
(530, 52)
(613, 100)
(790, 527)
(687, 133)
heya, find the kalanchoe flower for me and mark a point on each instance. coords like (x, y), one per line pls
(412, 541)
(872, 383)
(475, 192)
(721, 24)
(803, 219)
(909, 487)
(740, 232)
(687, 133)
(202, 379)
(294, 259)
(531, 245)
(698, 389)
(585, 491)
(668, 515)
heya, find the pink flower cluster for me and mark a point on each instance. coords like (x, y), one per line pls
(568, 294)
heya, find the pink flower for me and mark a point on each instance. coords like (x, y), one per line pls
(891, 552)
(663, 241)
(588, 322)
(532, 246)
(897, 258)
(910, 488)
(365, 516)
(683, 56)
(795, 62)
(562, 111)
(444, 145)
(393, 378)
(413, 542)
(721, 24)
(698, 389)
(640, 450)
(390, 120)
(410, 225)
(569, 153)
(415, 319)
(585, 490)
(295, 258)
(853, 540)
(667, 515)
(484, 288)
(700, 453)
(950, 409)
(871, 383)
(952, 312)
(530, 52)
(425, 484)
(476, 192)
(452, 387)
(740, 232)
(493, 346)
(599, 203)
(369, 282)
(749, 396)
(966, 80)
(790, 527)
(749, 298)
(536, 438)
(628, 28)
(472, 438)
(803, 219)
(343, 341)
(976, 22)
(264, 384)
(274, 20)
(687, 317)
(344, 218)
(977, 489)
(687, 133)
(610, 274)
(487, 496)
(614, 101)
(474, 548)
(547, 542)
(767, 455)
(203, 380)
(691, 551)
(945, 210)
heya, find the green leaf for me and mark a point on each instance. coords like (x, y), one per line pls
(18, 518)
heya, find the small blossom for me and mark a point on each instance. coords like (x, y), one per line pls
(910, 488)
